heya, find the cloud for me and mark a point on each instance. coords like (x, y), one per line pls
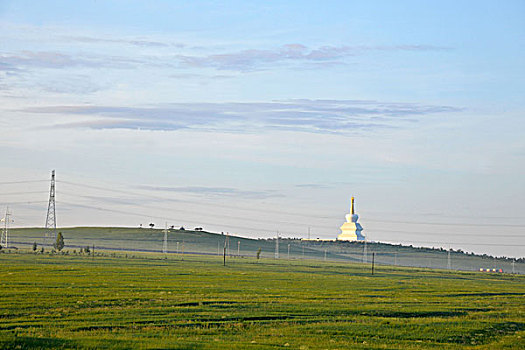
(81, 85)
(312, 116)
(57, 60)
(7, 67)
(216, 191)
(134, 42)
(313, 186)
(246, 60)
(239, 61)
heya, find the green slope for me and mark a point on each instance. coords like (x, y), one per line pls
(146, 239)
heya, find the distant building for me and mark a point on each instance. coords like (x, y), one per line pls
(351, 229)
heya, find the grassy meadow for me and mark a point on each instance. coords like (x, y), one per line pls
(151, 301)
(134, 239)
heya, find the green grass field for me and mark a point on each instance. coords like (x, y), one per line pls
(132, 239)
(147, 301)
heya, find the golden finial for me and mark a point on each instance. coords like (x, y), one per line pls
(352, 207)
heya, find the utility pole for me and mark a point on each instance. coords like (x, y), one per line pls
(373, 260)
(277, 246)
(165, 243)
(4, 237)
(224, 252)
(288, 251)
(228, 243)
(51, 220)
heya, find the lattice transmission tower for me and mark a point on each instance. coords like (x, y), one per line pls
(51, 219)
(4, 236)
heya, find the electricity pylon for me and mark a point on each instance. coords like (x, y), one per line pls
(51, 219)
(4, 237)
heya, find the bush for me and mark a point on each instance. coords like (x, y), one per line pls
(59, 244)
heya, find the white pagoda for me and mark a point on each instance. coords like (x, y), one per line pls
(351, 229)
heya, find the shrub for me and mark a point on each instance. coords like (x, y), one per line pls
(59, 244)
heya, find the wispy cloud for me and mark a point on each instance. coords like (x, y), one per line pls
(296, 55)
(58, 60)
(216, 191)
(81, 85)
(314, 116)
(312, 186)
(135, 42)
(251, 59)
(7, 67)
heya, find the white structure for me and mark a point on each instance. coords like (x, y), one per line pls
(351, 229)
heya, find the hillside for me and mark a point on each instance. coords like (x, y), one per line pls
(151, 240)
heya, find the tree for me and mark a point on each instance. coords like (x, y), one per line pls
(34, 246)
(59, 244)
(86, 250)
(151, 225)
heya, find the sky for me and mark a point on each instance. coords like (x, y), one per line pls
(258, 117)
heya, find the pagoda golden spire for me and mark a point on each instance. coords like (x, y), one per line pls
(352, 211)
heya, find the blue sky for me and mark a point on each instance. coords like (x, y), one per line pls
(253, 117)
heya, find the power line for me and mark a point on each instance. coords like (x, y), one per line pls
(142, 195)
(21, 182)
(443, 223)
(285, 212)
(219, 215)
(24, 202)
(271, 231)
(28, 192)
(258, 209)
(450, 243)
(446, 233)
(165, 217)
(330, 228)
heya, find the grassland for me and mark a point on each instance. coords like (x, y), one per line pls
(134, 239)
(150, 301)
